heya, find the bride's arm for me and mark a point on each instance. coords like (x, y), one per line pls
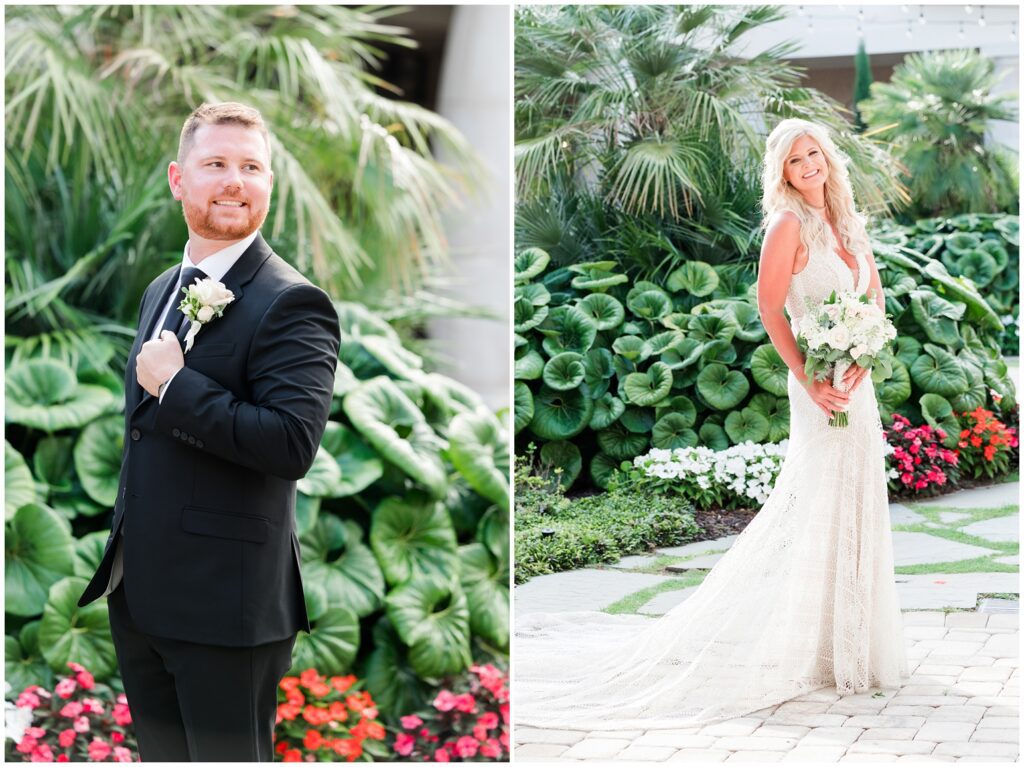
(875, 284)
(778, 254)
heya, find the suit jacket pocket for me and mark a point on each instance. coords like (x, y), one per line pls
(220, 524)
(209, 350)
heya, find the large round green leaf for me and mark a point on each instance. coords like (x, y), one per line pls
(1009, 227)
(335, 557)
(633, 348)
(69, 633)
(672, 431)
(769, 371)
(939, 414)
(695, 277)
(602, 467)
(896, 389)
(683, 353)
(565, 456)
(937, 372)
(721, 388)
(529, 263)
(650, 387)
(907, 349)
(523, 405)
(560, 414)
(478, 448)
(39, 551)
(390, 678)
(390, 422)
(937, 317)
(19, 489)
(359, 463)
(618, 442)
(978, 266)
(564, 371)
(746, 425)
(607, 409)
(530, 366)
(526, 316)
(638, 420)
(776, 410)
(712, 435)
(567, 329)
(976, 393)
(661, 342)
(719, 326)
(748, 321)
(485, 584)
(24, 664)
(606, 311)
(432, 618)
(332, 645)
(651, 304)
(597, 367)
(54, 465)
(44, 394)
(681, 406)
(323, 476)
(413, 536)
(493, 533)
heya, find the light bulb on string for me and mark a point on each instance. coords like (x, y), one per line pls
(920, 18)
(910, 30)
(968, 10)
(981, 18)
(905, 9)
(960, 34)
(1013, 31)
(799, 10)
(860, 15)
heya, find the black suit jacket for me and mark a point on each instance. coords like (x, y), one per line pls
(207, 488)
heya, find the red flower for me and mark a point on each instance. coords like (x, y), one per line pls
(65, 688)
(292, 755)
(337, 711)
(42, 754)
(85, 679)
(404, 743)
(920, 484)
(122, 714)
(66, 737)
(349, 748)
(63, 758)
(503, 708)
(441, 755)
(480, 732)
(491, 748)
(342, 683)
(320, 689)
(976, 441)
(990, 453)
(367, 728)
(289, 683)
(465, 703)
(281, 746)
(309, 677)
(313, 740)
(488, 720)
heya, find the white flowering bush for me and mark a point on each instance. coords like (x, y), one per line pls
(740, 476)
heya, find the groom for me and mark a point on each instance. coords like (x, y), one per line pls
(202, 566)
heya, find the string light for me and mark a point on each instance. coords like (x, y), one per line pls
(799, 10)
(905, 8)
(910, 30)
(960, 34)
(860, 16)
(981, 18)
(968, 10)
(1013, 31)
(920, 19)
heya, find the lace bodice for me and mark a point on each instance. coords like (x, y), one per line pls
(825, 271)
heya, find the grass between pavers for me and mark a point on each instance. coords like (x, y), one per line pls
(657, 564)
(932, 513)
(952, 534)
(977, 565)
(633, 602)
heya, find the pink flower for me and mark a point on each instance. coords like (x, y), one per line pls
(98, 750)
(491, 748)
(920, 484)
(85, 679)
(122, 715)
(28, 699)
(42, 754)
(503, 708)
(404, 743)
(35, 732)
(81, 724)
(122, 698)
(66, 737)
(411, 722)
(72, 709)
(76, 667)
(489, 720)
(93, 706)
(441, 755)
(466, 747)
(480, 732)
(122, 754)
(63, 758)
(116, 737)
(465, 703)
(65, 688)
(444, 701)
(898, 425)
(26, 745)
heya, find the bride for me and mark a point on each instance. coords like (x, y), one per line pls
(805, 598)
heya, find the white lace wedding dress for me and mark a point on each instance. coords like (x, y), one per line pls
(805, 598)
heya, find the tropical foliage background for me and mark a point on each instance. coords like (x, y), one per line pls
(403, 518)
(639, 134)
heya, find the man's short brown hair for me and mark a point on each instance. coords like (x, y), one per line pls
(226, 113)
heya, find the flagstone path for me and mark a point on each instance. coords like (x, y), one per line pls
(960, 704)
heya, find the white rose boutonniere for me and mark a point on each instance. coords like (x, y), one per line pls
(204, 301)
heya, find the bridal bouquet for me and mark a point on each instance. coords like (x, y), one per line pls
(845, 329)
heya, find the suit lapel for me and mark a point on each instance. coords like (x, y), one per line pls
(241, 272)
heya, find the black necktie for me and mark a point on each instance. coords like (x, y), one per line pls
(175, 318)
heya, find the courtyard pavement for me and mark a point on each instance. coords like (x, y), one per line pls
(960, 704)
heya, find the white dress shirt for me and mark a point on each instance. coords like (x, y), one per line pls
(215, 266)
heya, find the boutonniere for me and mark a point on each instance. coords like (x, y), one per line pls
(204, 301)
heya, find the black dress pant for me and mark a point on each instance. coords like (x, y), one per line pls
(198, 702)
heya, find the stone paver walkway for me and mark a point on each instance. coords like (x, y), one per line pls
(960, 704)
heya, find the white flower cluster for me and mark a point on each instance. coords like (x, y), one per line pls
(747, 470)
(848, 325)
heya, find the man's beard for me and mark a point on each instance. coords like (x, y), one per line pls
(202, 222)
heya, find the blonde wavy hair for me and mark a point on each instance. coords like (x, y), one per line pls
(779, 195)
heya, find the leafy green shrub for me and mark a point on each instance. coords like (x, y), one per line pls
(554, 533)
(403, 521)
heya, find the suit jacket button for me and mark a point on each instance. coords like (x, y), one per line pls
(184, 436)
(191, 440)
(199, 443)
(136, 435)
(176, 432)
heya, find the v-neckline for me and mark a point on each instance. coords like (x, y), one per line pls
(855, 276)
